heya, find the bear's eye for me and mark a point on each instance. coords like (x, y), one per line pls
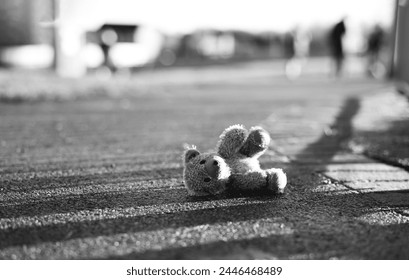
(207, 180)
(202, 162)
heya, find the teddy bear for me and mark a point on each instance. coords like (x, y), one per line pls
(234, 166)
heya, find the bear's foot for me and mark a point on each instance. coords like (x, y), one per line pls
(276, 180)
(256, 143)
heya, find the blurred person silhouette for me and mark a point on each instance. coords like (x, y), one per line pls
(375, 42)
(297, 44)
(289, 49)
(336, 35)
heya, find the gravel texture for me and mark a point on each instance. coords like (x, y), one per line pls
(99, 176)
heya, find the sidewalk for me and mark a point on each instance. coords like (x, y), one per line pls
(102, 178)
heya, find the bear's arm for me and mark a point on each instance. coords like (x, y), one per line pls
(231, 140)
(272, 180)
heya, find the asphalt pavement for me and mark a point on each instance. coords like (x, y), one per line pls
(91, 168)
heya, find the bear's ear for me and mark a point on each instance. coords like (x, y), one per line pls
(190, 153)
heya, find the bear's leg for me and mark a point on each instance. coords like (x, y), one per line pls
(250, 181)
(276, 180)
(256, 143)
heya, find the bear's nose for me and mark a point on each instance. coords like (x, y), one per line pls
(212, 167)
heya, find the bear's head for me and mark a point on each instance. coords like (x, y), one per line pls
(204, 173)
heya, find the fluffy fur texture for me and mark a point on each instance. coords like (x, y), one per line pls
(234, 166)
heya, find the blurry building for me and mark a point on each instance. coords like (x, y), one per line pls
(205, 45)
(32, 36)
(118, 46)
(214, 46)
(24, 41)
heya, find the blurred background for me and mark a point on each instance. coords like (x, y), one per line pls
(105, 37)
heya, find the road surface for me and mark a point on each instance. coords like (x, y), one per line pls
(91, 169)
